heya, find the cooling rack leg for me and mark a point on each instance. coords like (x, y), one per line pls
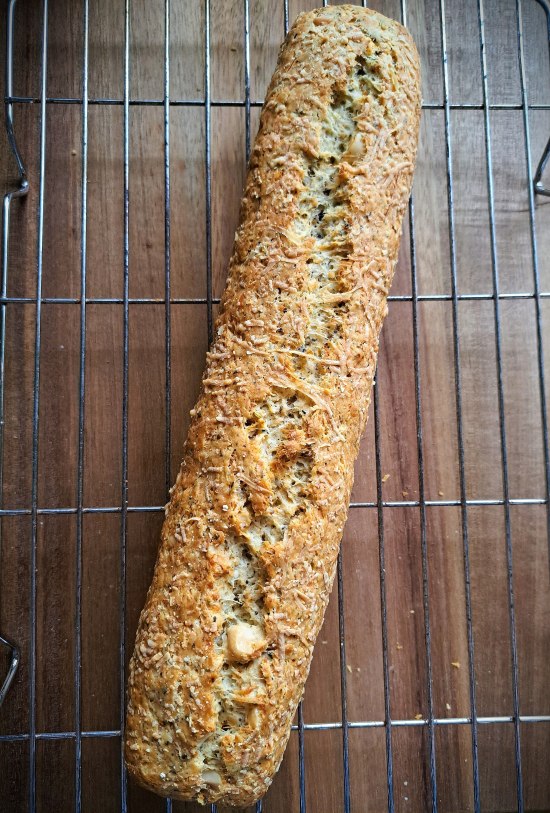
(15, 657)
(538, 186)
(19, 192)
(531, 189)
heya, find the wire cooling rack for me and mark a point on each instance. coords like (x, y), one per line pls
(24, 778)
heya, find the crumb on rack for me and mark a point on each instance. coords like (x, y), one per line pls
(385, 478)
(456, 664)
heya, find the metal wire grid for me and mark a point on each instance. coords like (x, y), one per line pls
(534, 184)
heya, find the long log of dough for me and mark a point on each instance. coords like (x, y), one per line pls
(252, 530)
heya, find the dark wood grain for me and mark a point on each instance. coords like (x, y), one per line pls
(104, 624)
(15, 758)
(54, 758)
(100, 635)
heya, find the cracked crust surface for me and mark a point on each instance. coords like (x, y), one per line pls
(252, 530)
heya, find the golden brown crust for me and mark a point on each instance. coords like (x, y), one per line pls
(252, 530)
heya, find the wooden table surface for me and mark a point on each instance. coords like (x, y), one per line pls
(72, 546)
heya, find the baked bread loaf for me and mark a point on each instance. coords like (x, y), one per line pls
(255, 518)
